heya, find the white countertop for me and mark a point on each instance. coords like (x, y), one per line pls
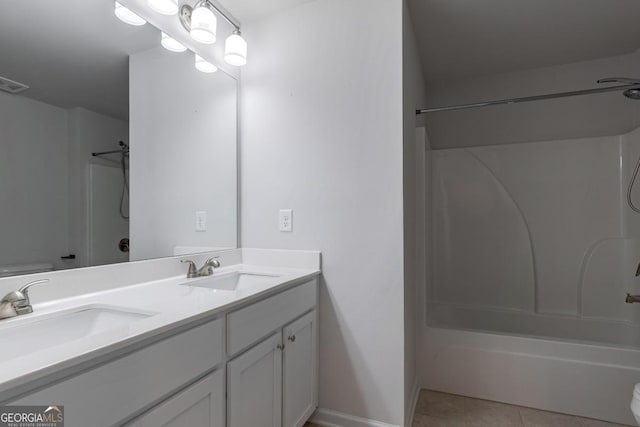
(170, 302)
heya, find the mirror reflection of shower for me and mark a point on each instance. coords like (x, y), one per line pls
(124, 166)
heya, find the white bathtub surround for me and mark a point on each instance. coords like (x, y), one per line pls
(535, 240)
(635, 403)
(152, 296)
(591, 381)
(539, 237)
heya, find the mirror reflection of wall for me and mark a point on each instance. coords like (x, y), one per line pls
(185, 176)
(60, 206)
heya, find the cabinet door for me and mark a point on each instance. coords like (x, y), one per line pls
(200, 405)
(254, 393)
(300, 370)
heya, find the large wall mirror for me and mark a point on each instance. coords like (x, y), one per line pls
(112, 147)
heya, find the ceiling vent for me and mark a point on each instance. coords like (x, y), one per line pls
(10, 86)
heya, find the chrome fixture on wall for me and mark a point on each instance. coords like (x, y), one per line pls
(632, 299)
(17, 303)
(206, 270)
(200, 22)
(631, 88)
(124, 155)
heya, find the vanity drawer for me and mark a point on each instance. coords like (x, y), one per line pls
(110, 393)
(248, 325)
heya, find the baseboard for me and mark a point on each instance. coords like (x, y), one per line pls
(411, 409)
(328, 418)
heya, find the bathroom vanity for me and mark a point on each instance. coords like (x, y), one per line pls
(238, 348)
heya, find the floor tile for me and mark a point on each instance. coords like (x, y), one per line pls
(483, 413)
(586, 422)
(536, 418)
(453, 420)
(440, 405)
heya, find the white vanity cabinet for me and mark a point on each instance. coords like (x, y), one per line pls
(200, 405)
(300, 370)
(253, 366)
(115, 391)
(254, 389)
(274, 382)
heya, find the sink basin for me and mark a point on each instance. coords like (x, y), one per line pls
(27, 334)
(234, 281)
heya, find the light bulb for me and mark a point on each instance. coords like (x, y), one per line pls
(127, 16)
(204, 65)
(203, 24)
(235, 50)
(171, 44)
(165, 7)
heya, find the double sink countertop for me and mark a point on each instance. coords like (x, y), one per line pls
(65, 333)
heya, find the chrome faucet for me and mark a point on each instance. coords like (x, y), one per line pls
(630, 299)
(17, 303)
(192, 269)
(209, 265)
(205, 270)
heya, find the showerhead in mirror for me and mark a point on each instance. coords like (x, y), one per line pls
(633, 93)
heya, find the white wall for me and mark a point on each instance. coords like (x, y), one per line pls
(575, 117)
(44, 176)
(183, 154)
(322, 134)
(106, 226)
(89, 132)
(33, 181)
(414, 97)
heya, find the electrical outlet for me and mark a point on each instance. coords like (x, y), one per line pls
(286, 220)
(201, 221)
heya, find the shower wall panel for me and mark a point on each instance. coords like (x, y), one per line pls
(536, 228)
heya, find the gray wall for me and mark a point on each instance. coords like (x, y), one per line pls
(89, 132)
(43, 178)
(183, 154)
(322, 134)
(575, 117)
(414, 95)
(33, 181)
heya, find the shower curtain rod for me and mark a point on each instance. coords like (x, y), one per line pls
(528, 98)
(109, 152)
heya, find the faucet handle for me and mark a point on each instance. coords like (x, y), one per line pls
(25, 288)
(21, 296)
(18, 300)
(213, 262)
(193, 271)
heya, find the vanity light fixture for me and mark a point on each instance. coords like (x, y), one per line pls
(235, 50)
(165, 7)
(172, 44)
(201, 23)
(204, 65)
(127, 16)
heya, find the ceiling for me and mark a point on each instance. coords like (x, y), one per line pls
(71, 54)
(251, 10)
(464, 38)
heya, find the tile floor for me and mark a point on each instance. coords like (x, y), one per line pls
(447, 410)
(436, 409)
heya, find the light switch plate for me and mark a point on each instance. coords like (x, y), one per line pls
(285, 220)
(201, 221)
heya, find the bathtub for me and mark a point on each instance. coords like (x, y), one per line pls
(592, 376)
